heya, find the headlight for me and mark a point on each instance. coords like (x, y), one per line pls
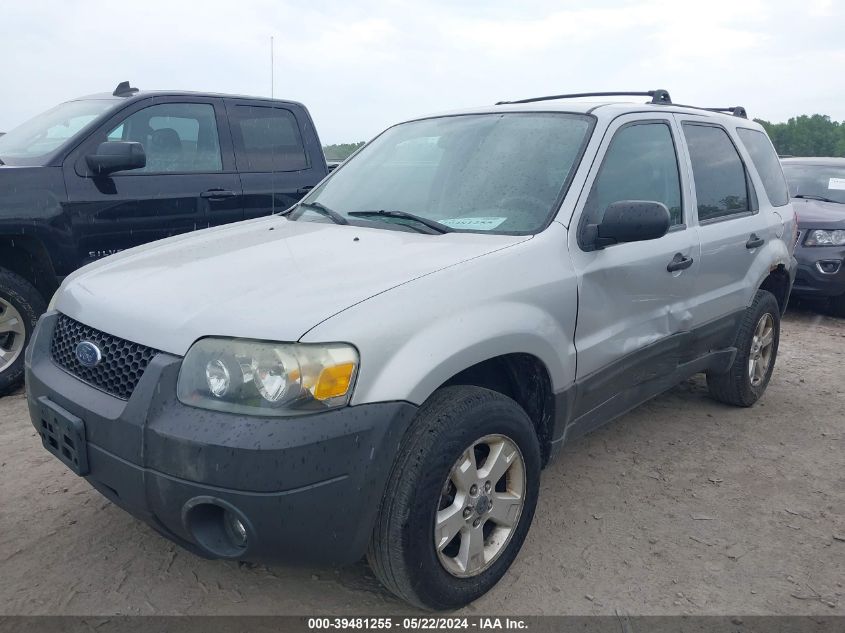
(272, 379)
(819, 237)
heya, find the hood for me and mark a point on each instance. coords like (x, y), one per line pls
(271, 279)
(817, 214)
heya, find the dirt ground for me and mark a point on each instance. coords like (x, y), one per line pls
(683, 506)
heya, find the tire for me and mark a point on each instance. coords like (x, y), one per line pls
(402, 550)
(837, 306)
(20, 306)
(737, 386)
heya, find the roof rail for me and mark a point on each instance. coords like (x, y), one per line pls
(657, 96)
(735, 110)
(124, 90)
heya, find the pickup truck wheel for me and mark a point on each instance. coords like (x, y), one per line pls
(459, 501)
(20, 307)
(757, 348)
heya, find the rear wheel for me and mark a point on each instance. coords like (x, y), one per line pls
(460, 499)
(757, 347)
(20, 307)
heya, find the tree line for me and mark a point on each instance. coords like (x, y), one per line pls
(340, 151)
(805, 135)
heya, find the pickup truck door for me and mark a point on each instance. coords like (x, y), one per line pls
(634, 298)
(189, 181)
(277, 151)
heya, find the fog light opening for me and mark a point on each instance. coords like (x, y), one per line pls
(217, 527)
(829, 266)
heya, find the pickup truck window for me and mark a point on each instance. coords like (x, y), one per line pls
(640, 164)
(177, 137)
(485, 173)
(267, 139)
(29, 142)
(721, 186)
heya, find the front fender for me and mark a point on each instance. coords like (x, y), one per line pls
(415, 337)
(445, 347)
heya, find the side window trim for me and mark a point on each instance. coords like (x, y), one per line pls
(750, 189)
(601, 158)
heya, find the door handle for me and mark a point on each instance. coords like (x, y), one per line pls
(754, 241)
(679, 262)
(217, 194)
(304, 190)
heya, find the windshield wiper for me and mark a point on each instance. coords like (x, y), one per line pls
(320, 208)
(809, 196)
(434, 225)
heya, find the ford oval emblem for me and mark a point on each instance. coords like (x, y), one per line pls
(88, 354)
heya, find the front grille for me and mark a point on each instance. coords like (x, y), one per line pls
(122, 365)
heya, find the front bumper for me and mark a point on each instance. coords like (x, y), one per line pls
(810, 281)
(306, 489)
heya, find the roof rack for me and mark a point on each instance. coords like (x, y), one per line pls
(735, 110)
(657, 96)
(124, 90)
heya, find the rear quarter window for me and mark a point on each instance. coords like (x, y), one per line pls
(767, 164)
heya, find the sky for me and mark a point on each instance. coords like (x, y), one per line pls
(363, 65)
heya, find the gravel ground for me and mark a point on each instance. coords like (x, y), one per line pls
(683, 506)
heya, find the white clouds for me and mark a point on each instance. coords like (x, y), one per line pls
(361, 66)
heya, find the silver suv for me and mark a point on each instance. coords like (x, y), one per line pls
(386, 367)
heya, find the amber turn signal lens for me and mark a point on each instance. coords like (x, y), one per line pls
(334, 381)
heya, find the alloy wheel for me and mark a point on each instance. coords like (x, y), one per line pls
(762, 345)
(480, 506)
(12, 334)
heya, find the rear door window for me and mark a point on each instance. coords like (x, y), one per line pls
(267, 139)
(768, 166)
(721, 185)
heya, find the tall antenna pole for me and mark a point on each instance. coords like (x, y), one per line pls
(272, 149)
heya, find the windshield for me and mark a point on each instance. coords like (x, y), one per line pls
(32, 141)
(496, 173)
(823, 181)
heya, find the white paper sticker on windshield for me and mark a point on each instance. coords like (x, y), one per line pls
(473, 224)
(836, 183)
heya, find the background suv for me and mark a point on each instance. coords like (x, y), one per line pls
(817, 186)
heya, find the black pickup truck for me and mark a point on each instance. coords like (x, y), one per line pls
(103, 173)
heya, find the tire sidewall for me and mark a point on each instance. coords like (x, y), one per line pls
(431, 581)
(30, 305)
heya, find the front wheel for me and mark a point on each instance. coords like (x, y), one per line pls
(20, 307)
(460, 499)
(757, 348)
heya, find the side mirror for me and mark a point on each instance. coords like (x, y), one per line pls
(114, 156)
(630, 221)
